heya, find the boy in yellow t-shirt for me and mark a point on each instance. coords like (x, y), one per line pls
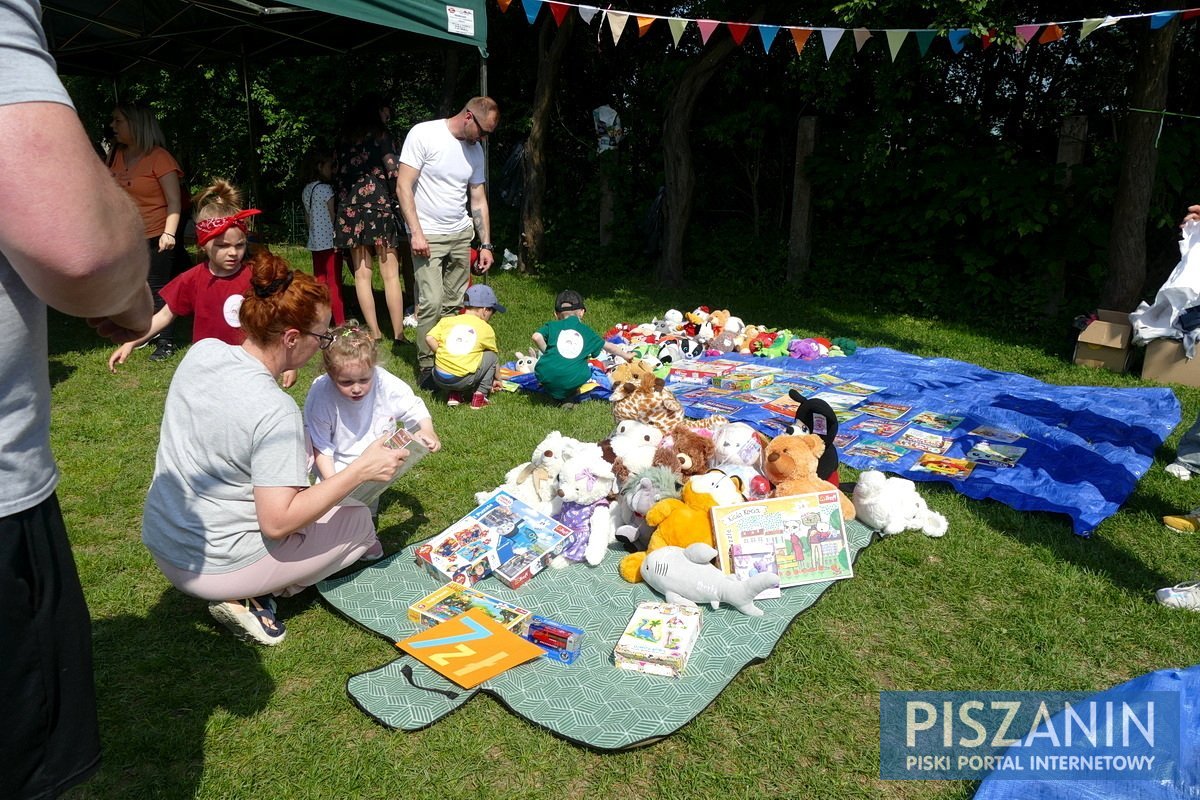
(464, 348)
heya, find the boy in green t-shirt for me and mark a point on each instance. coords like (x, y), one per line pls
(464, 348)
(567, 344)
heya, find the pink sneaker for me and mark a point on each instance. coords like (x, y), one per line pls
(455, 399)
(479, 400)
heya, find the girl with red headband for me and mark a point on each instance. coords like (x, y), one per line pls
(212, 291)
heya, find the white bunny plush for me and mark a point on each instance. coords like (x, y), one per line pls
(535, 482)
(526, 363)
(892, 505)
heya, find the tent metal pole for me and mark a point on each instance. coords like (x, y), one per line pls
(254, 170)
(483, 90)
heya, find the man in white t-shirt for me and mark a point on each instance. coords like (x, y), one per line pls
(441, 175)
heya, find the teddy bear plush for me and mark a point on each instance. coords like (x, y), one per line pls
(686, 452)
(535, 482)
(723, 342)
(586, 486)
(790, 463)
(738, 451)
(631, 371)
(631, 447)
(687, 576)
(892, 505)
(639, 493)
(683, 521)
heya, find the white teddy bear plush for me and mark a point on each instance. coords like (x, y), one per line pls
(587, 487)
(536, 481)
(633, 444)
(892, 505)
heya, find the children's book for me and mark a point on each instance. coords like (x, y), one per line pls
(370, 491)
(936, 421)
(859, 388)
(764, 395)
(844, 415)
(773, 426)
(783, 405)
(843, 440)
(453, 599)
(997, 455)
(878, 450)
(878, 427)
(659, 639)
(884, 410)
(837, 401)
(469, 648)
(500, 530)
(954, 468)
(806, 531)
(997, 434)
(924, 441)
(824, 378)
(717, 406)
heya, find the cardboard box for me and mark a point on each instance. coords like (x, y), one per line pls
(1166, 363)
(698, 371)
(742, 381)
(453, 599)
(1105, 343)
(658, 639)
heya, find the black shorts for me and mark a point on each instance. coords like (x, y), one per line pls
(49, 736)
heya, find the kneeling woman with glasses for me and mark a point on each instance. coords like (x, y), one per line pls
(230, 517)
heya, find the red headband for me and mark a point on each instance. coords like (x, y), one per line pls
(209, 229)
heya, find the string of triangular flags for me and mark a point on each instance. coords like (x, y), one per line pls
(1034, 32)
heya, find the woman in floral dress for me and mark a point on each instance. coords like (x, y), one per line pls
(367, 221)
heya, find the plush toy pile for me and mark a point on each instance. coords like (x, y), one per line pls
(677, 335)
(651, 483)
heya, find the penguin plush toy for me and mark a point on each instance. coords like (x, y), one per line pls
(817, 417)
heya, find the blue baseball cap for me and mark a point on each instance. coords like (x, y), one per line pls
(481, 296)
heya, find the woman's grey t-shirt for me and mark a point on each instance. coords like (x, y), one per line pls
(227, 428)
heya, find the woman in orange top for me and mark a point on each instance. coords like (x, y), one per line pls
(142, 167)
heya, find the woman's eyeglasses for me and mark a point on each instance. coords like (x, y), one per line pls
(326, 339)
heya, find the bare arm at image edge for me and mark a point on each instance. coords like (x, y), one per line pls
(68, 230)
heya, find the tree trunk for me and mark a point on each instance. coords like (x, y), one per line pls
(800, 238)
(607, 200)
(550, 56)
(677, 155)
(446, 107)
(1127, 238)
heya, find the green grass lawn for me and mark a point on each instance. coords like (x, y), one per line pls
(1007, 600)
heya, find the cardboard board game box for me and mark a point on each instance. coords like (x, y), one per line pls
(1166, 363)
(743, 381)
(658, 639)
(697, 371)
(1106, 342)
(453, 599)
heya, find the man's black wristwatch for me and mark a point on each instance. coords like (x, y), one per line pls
(486, 246)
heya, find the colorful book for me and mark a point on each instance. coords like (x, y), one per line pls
(369, 492)
(843, 440)
(659, 639)
(878, 450)
(878, 427)
(884, 410)
(859, 388)
(997, 455)
(936, 421)
(837, 401)
(997, 434)
(925, 441)
(824, 378)
(954, 468)
(717, 406)
(784, 406)
(844, 415)
(469, 648)
(806, 531)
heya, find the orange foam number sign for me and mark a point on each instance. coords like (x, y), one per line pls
(469, 648)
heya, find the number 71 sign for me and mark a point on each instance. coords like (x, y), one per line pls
(469, 649)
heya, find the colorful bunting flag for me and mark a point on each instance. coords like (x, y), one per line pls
(989, 38)
(616, 23)
(1091, 25)
(924, 39)
(895, 40)
(738, 31)
(800, 37)
(644, 24)
(1052, 34)
(532, 7)
(504, 4)
(587, 12)
(767, 34)
(860, 38)
(706, 26)
(958, 37)
(677, 27)
(830, 38)
(559, 11)
(1026, 32)
(1161, 18)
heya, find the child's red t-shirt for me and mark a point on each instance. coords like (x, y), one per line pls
(212, 301)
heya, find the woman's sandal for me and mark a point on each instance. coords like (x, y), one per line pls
(251, 620)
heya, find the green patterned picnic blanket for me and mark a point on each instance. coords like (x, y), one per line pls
(591, 702)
